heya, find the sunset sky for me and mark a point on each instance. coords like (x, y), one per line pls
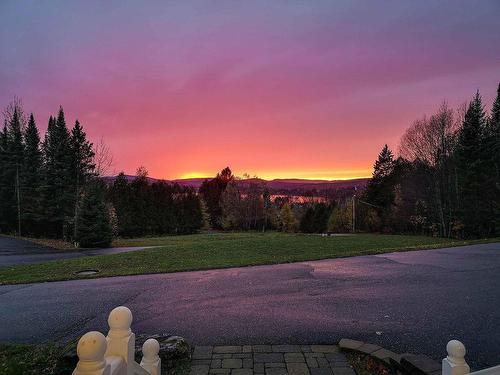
(306, 89)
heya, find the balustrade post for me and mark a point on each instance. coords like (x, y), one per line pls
(150, 360)
(121, 340)
(91, 349)
(454, 363)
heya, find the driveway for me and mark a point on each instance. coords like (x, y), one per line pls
(411, 301)
(15, 251)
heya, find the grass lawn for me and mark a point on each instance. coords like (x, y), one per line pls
(49, 359)
(32, 360)
(206, 251)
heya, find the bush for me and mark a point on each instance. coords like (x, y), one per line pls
(94, 227)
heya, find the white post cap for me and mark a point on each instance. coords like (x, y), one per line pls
(456, 351)
(91, 349)
(150, 349)
(120, 320)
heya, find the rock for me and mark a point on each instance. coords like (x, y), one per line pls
(172, 348)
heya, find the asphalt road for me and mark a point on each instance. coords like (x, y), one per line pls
(15, 251)
(413, 301)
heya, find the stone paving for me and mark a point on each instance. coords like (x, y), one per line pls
(270, 360)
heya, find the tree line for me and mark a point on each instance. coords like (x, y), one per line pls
(42, 181)
(159, 208)
(446, 180)
(231, 205)
(53, 188)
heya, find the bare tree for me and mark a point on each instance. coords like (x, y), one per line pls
(16, 105)
(103, 158)
(431, 140)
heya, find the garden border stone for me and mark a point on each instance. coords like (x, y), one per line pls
(407, 363)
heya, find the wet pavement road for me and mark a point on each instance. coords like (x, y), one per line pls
(412, 301)
(15, 251)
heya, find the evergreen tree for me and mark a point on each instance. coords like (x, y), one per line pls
(120, 196)
(269, 211)
(58, 193)
(380, 189)
(495, 134)
(471, 169)
(141, 204)
(31, 180)
(94, 229)
(4, 183)
(190, 218)
(13, 171)
(492, 157)
(82, 165)
(320, 218)
(306, 222)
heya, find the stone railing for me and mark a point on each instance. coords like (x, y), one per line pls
(454, 363)
(114, 354)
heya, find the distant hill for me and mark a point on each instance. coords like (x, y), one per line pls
(289, 184)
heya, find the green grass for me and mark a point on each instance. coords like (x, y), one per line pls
(207, 251)
(49, 359)
(32, 360)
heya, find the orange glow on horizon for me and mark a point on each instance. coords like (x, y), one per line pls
(305, 175)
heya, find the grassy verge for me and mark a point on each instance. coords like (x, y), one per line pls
(51, 360)
(32, 360)
(207, 251)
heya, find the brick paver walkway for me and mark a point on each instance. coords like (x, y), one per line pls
(270, 360)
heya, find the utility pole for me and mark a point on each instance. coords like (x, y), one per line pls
(18, 201)
(354, 213)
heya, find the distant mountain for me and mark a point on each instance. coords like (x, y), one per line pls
(289, 184)
(193, 182)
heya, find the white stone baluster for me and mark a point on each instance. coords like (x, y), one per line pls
(150, 360)
(454, 363)
(121, 340)
(90, 349)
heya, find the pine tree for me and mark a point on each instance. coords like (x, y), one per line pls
(306, 222)
(494, 132)
(384, 165)
(120, 196)
(82, 165)
(471, 168)
(4, 184)
(31, 179)
(189, 213)
(13, 171)
(380, 189)
(320, 218)
(492, 155)
(58, 191)
(94, 229)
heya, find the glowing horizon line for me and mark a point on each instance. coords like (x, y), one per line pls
(287, 176)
